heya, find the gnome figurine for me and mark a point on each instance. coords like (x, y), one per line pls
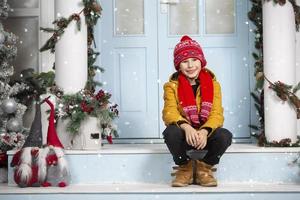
(27, 172)
(53, 159)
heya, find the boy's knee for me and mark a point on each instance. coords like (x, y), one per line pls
(173, 132)
(225, 136)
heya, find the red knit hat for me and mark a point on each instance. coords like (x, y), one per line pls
(188, 48)
(52, 138)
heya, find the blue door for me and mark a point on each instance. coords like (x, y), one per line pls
(129, 56)
(137, 41)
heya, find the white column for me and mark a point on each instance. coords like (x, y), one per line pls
(279, 65)
(298, 65)
(46, 18)
(71, 49)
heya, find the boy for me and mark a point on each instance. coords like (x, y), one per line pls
(193, 114)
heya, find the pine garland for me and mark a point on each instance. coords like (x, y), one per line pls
(92, 12)
(287, 93)
(77, 107)
(282, 90)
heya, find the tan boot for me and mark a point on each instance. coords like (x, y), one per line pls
(205, 175)
(183, 175)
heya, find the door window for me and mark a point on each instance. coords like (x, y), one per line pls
(219, 17)
(184, 17)
(129, 17)
(23, 21)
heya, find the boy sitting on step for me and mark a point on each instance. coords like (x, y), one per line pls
(193, 114)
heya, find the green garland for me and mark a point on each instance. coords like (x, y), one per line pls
(92, 12)
(282, 90)
(287, 93)
(77, 107)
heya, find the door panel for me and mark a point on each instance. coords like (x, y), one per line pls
(137, 41)
(129, 56)
(225, 45)
(132, 69)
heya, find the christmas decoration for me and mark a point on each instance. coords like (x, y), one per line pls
(3, 168)
(255, 15)
(37, 84)
(2, 38)
(4, 8)
(54, 162)
(14, 125)
(12, 133)
(26, 161)
(77, 107)
(92, 11)
(287, 93)
(9, 106)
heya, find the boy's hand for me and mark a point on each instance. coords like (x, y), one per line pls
(202, 137)
(191, 134)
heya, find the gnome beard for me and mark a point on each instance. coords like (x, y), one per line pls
(26, 173)
(57, 173)
(26, 160)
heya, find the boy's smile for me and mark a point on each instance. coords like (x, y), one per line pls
(190, 67)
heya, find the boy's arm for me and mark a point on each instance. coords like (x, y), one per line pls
(216, 118)
(170, 113)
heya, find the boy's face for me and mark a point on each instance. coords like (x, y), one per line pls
(190, 67)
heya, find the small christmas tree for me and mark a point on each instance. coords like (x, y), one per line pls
(11, 112)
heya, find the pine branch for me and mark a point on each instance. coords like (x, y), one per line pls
(296, 88)
(283, 92)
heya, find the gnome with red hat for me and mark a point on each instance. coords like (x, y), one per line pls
(27, 172)
(53, 159)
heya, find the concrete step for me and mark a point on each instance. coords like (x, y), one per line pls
(134, 191)
(152, 163)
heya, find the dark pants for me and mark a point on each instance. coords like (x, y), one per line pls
(216, 145)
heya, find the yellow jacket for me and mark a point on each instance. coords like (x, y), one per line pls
(173, 112)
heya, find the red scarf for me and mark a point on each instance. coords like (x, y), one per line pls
(188, 101)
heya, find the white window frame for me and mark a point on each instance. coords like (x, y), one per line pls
(45, 15)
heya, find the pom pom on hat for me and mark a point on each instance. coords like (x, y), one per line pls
(188, 48)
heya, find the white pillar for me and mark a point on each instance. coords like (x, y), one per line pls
(279, 65)
(71, 49)
(298, 65)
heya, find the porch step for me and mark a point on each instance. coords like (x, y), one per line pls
(134, 191)
(152, 163)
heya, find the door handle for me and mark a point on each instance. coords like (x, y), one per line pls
(169, 1)
(164, 5)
